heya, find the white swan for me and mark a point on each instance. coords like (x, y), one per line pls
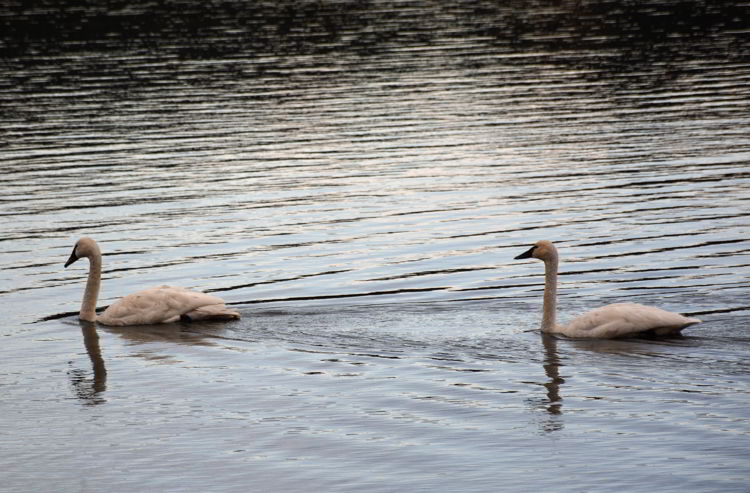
(163, 304)
(607, 322)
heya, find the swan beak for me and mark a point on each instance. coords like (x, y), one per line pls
(527, 254)
(73, 257)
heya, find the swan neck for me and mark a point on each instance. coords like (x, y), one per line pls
(91, 295)
(550, 294)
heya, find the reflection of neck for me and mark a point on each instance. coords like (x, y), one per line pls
(550, 294)
(88, 307)
(91, 341)
(552, 370)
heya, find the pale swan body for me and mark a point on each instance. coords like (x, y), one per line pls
(607, 322)
(159, 305)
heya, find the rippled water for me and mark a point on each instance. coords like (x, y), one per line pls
(356, 179)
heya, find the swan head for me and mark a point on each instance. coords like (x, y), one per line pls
(85, 247)
(543, 250)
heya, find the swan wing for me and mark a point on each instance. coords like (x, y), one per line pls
(627, 319)
(157, 305)
(211, 312)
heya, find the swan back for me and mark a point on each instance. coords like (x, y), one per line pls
(165, 304)
(626, 319)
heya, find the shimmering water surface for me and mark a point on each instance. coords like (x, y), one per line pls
(356, 178)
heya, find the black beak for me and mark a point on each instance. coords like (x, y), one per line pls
(73, 257)
(527, 254)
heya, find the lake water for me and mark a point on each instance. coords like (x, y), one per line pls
(355, 178)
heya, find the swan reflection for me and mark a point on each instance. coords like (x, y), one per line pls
(552, 403)
(89, 390)
(552, 370)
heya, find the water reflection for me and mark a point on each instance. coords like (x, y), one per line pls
(552, 370)
(226, 46)
(189, 333)
(552, 404)
(89, 389)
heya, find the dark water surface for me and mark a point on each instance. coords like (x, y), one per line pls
(355, 178)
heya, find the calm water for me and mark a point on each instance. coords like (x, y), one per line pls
(356, 179)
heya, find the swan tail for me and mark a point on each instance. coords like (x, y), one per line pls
(676, 330)
(210, 312)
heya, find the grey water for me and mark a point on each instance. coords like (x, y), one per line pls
(355, 178)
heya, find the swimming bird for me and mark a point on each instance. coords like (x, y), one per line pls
(163, 304)
(607, 322)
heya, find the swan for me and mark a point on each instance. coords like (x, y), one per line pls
(607, 322)
(163, 304)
